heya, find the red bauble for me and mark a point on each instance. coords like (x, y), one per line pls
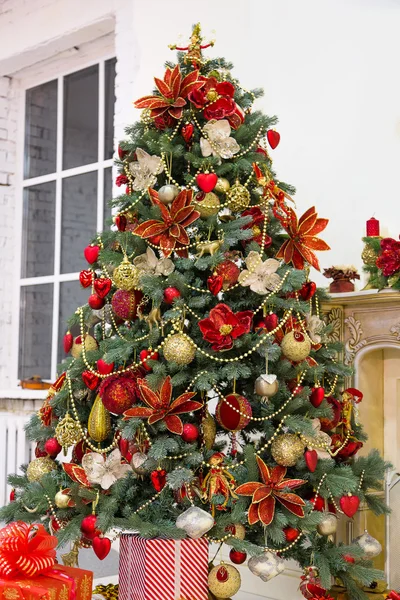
(291, 534)
(101, 547)
(124, 304)
(104, 368)
(311, 458)
(329, 424)
(348, 558)
(187, 132)
(307, 290)
(229, 272)
(190, 433)
(12, 495)
(86, 278)
(121, 222)
(349, 505)
(273, 138)
(102, 286)
(318, 502)
(95, 302)
(88, 525)
(237, 557)
(90, 380)
(227, 415)
(52, 447)
(317, 395)
(170, 293)
(148, 354)
(91, 254)
(158, 479)
(119, 392)
(68, 341)
(206, 181)
(214, 284)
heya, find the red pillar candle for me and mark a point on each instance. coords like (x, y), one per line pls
(372, 227)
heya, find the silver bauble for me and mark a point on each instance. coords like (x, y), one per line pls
(328, 525)
(370, 546)
(168, 193)
(266, 385)
(195, 521)
(267, 566)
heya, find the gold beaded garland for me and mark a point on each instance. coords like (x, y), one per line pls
(179, 348)
(286, 449)
(126, 276)
(238, 197)
(39, 467)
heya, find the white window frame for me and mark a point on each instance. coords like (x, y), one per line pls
(57, 278)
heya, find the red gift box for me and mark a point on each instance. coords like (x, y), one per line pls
(59, 583)
(163, 569)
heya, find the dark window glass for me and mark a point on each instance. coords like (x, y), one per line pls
(107, 197)
(72, 295)
(79, 219)
(40, 130)
(38, 230)
(109, 91)
(81, 110)
(36, 315)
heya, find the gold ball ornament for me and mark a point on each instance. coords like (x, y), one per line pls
(68, 432)
(126, 276)
(167, 193)
(90, 344)
(266, 385)
(369, 255)
(224, 580)
(207, 204)
(39, 467)
(238, 198)
(61, 500)
(328, 525)
(222, 186)
(295, 346)
(237, 530)
(286, 449)
(180, 349)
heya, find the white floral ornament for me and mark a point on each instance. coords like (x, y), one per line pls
(218, 141)
(145, 170)
(321, 438)
(314, 327)
(260, 275)
(105, 472)
(149, 263)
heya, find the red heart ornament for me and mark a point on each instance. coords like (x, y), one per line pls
(104, 368)
(67, 342)
(101, 547)
(158, 479)
(307, 290)
(90, 380)
(121, 222)
(271, 321)
(311, 458)
(102, 286)
(91, 254)
(206, 181)
(317, 395)
(187, 132)
(273, 138)
(86, 278)
(349, 505)
(215, 283)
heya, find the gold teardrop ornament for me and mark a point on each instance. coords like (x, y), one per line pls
(99, 423)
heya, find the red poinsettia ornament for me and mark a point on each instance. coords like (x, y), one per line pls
(172, 226)
(256, 225)
(161, 407)
(223, 326)
(265, 493)
(389, 259)
(174, 91)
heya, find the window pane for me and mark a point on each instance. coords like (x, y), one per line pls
(107, 197)
(109, 107)
(38, 230)
(79, 219)
(72, 295)
(41, 130)
(81, 109)
(35, 331)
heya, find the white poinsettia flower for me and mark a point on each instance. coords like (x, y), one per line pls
(105, 472)
(218, 141)
(149, 263)
(314, 327)
(145, 170)
(260, 276)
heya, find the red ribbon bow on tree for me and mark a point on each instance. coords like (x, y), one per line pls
(26, 549)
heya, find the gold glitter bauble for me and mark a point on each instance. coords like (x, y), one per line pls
(61, 500)
(295, 346)
(39, 467)
(328, 525)
(222, 186)
(209, 431)
(286, 449)
(207, 205)
(126, 276)
(369, 255)
(178, 348)
(90, 344)
(224, 580)
(238, 198)
(237, 530)
(266, 385)
(68, 432)
(99, 422)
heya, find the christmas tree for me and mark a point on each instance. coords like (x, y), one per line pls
(203, 394)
